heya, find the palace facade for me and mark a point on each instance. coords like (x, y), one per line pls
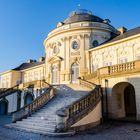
(87, 46)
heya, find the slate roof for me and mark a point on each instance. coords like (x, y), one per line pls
(82, 15)
(128, 33)
(28, 65)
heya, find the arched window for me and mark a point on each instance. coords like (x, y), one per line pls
(55, 50)
(74, 72)
(95, 43)
(75, 45)
(54, 74)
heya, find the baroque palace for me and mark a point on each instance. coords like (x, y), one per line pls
(90, 71)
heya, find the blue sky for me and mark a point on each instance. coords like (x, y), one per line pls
(24, 24)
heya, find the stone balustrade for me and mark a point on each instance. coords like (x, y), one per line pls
(77, 110)
(122, 67)
(81, 24)
(37, 83)
(35, 105)
(127, 68)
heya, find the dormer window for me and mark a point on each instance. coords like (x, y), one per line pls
(95, 43)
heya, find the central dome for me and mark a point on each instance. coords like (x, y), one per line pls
(82, 15)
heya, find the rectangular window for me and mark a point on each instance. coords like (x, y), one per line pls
(107, 64)
(94, 67)
(122, 60)
(137, 57)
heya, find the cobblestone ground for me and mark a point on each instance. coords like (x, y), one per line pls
(110, 131)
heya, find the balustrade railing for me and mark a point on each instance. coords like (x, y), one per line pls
(90, 76)
(78, 109)
(32, 83)
(86, 83)
(122, 67)
(35, 105)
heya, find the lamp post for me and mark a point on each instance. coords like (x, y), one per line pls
(106, 97)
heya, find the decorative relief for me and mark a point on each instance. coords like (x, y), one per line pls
(95, 58)
(123, 52)
(81, 36)
(87, 35)
(66, 38)
(108, 55)
(75, 59)
(75, 53)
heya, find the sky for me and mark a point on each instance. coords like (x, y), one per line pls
(24, 24)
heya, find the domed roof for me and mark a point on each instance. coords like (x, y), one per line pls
(82, 15)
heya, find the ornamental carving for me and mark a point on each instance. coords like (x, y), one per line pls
(75, 59)
(123, 52)
(75, 53)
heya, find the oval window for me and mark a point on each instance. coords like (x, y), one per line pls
(75, 45)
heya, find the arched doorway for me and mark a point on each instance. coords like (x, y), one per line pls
(3, 107)
(129, 100)
(54, 74)
(124, 100)
(28, 98)
(74, 72)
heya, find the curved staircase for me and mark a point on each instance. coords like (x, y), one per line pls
(45, 120)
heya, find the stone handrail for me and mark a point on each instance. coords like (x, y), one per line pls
(133, 66)
(9, 91)
(122, 67)
(86, 83)
(37, 83)
(90, 76)
(33, 106)
(69, 115)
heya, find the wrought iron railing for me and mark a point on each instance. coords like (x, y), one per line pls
(78, 109)
(34, 106)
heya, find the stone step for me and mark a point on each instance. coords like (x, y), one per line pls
(69, 133)
(47, 125)
(44, 113)
(41, 122)
(41, 118)
(35, 127)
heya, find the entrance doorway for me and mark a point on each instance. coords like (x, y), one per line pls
(74, 72)
(54, 74)
(129, 101)
(124, 101)
(3, 107)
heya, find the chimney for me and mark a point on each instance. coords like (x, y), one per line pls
(122, 30)
(31, 61)
(41, 59)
